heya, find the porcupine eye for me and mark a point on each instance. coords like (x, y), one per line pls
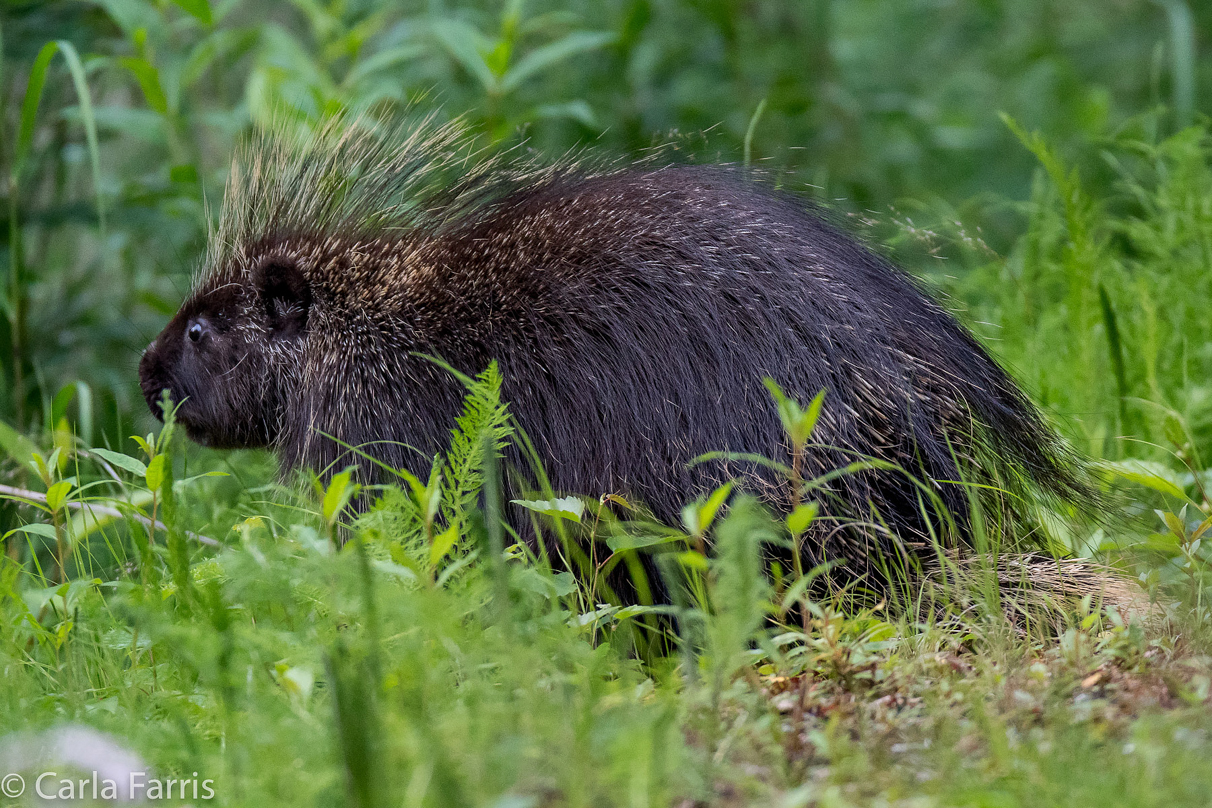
(195, 332)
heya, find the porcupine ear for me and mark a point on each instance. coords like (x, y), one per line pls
(285, 294)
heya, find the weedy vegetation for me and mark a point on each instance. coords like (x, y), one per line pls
(294, 649)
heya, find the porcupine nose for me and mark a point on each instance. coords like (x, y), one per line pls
(153, 379)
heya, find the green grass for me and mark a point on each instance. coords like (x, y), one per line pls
(261, 638)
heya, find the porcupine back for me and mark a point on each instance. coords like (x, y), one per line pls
(634, 312)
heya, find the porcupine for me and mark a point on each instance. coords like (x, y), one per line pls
(634, 310)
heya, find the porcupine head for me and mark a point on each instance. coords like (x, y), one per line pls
(233, 354)
(295, 285)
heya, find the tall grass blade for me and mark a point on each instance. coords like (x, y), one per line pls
(493, 528)
(16, 287)
(33, 99)
(358, 735)
(1116, 349)
(749, 131)
(29, 106)
(80, 80)
(1182, 59)
(25, 138)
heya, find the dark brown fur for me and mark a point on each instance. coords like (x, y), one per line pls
(634, 314)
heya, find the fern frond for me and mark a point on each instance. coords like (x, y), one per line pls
(483, 411)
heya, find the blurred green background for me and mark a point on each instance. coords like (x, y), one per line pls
(1081, 254)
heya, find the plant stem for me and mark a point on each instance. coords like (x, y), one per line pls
(795, 747)
(16, 304)
(151, 526)
(60, 547)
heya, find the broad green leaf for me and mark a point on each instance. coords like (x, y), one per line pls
(37, 529)
(1149, 474)
(416, 489)
(813, 413)
(797, 422)
(126, 462)
(577, 110)
(221, 45)
(400, 571)
(1175, 524)
(776, 392)
(1163, 543)
(565, 583)
(155, 472)
(59, 404)
(295, 680)
(340, 491)
(703, 515)
(546, 56)
(563, 508)
(145, 444)
(16, 445)
(149, 81)
(42, 466)
(36, 600)
(605, 610)
(62, 630)
(537, 581)
(442, 543)
(629, 542)
(65, 443)
(433, 492)
(691, 559)
(619, 500)
(497, 57)
(691, 519)
(467, 46)
(57, 493)
(198, 8)
(1173, 429)
(382, 61)
(84, 409)
(73, 591)
(632, 611)
(186, 173)
(803, 516)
